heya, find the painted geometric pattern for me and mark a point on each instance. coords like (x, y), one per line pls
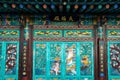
(63, 61)
(63, 33)
(9, 33)
(78, 33)
(11, 58)
(48, 33)
(113, 33)
(114, 60)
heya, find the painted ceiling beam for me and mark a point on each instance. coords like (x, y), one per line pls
(23, 8)
(116, 11)
(107, 6)
(71, 3)
(45, 7)
(111, 9)
(39, 8)
(17, 9)
(91, 7)
(97, 8)
(7, 8)
(30, 7)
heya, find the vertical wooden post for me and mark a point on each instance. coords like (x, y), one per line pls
(30, 53)
(21, 51)
(95, 54)
(102, 61)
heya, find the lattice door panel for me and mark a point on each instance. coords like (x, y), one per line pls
(63, 61)
(114, 60)
(9, 55)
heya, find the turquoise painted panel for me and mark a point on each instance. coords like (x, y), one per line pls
(40, 59)
(9, 59)
(78, 33)
(48, 33)
(86, 55)
(55, 59)
(86, 59)
(113, 33)
(9, 33)
(70, 52)
(63, 61)
(113, 60)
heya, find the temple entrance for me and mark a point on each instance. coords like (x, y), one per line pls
(63, 54)
(63, 60)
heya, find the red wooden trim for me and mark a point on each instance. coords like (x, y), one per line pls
(30, 54)
(60, 27)
(113, 27)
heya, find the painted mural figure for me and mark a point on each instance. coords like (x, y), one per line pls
(115, 57)
(85, 62)
(56, 67)
(70, 61)
(11, 58)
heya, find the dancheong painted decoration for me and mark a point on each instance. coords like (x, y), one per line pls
(114, 60)
(9, 54)
(61, 46)
(63, 60)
